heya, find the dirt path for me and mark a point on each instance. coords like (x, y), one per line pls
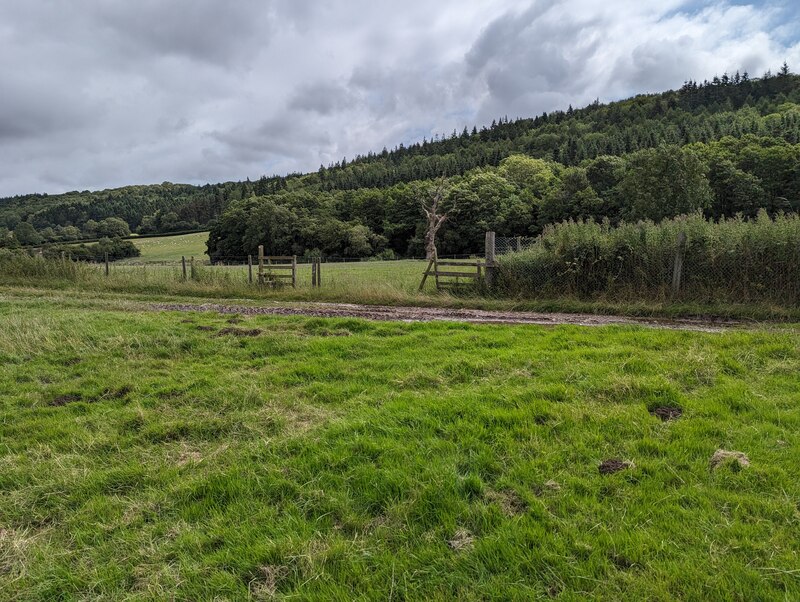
(432, 314)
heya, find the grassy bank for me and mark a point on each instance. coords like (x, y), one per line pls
(153, 456)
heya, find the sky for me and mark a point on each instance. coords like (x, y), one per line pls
(96, 94)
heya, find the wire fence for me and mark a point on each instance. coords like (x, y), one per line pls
(731, 262)
(515, 244)
(235, 275)
(673, 267)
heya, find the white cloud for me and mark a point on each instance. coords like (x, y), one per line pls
(112, 93)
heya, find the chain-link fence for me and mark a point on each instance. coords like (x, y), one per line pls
(515, 244)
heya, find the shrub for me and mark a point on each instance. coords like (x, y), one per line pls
(115, 247)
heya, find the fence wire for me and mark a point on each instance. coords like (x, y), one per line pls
(515, 244)
(669, 269)
(234, 274)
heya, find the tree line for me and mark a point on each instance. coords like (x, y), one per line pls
(732, 142)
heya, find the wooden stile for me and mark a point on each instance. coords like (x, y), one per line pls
(462, 278)
(268, 273)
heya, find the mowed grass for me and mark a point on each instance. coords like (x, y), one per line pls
(151, 456)
(172, 248)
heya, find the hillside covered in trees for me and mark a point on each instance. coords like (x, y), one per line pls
(728, 146)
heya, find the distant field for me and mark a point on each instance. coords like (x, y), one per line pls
(188, 456)
(171, 248)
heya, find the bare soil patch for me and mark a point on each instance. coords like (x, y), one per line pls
(63, 400)
(239, 332)
(613, 465)
(118, 393)
(667, 413)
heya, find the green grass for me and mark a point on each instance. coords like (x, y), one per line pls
(172, 248)
(335, 459)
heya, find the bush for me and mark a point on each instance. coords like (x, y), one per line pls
(733, 260)
(115, 247)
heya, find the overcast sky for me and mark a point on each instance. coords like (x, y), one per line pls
(104, 93)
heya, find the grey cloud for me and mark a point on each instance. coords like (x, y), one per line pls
(100, 94)
(501, 36)
(276, 136)
(202, 30)
(322, 97)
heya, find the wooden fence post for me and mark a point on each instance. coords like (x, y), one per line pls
(294, 271)
(490, 266)
(319, 271)
(519, 244)
(260, 264)
(250, 269)
(106, 264)
(313, 272)
(191, 267)
(677, 266)
(183, 266)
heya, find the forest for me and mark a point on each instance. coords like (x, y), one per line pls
(725, 147)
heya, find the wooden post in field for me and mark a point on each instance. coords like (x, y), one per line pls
(183, 266)
(519, 244)
(250, 269)
(294, 271)
(490, 267)
(260, 264)
(319, 271)
(313, 272)
(106, 264)
(191, 267)
(425, 275)
(677, 267)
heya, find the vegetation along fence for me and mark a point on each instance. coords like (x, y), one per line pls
(683, 259)
(687, 258)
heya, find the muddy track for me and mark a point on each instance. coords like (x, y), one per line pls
(433, 314)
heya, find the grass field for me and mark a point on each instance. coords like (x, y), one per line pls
(172, 248)
(152, 456)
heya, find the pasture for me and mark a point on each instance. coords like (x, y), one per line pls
(171, 248)
(161, 455)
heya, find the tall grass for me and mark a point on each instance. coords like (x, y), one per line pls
(733, 260)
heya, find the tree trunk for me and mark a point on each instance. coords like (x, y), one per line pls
(430, 243)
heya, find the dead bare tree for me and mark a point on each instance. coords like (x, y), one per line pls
(433, 206)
